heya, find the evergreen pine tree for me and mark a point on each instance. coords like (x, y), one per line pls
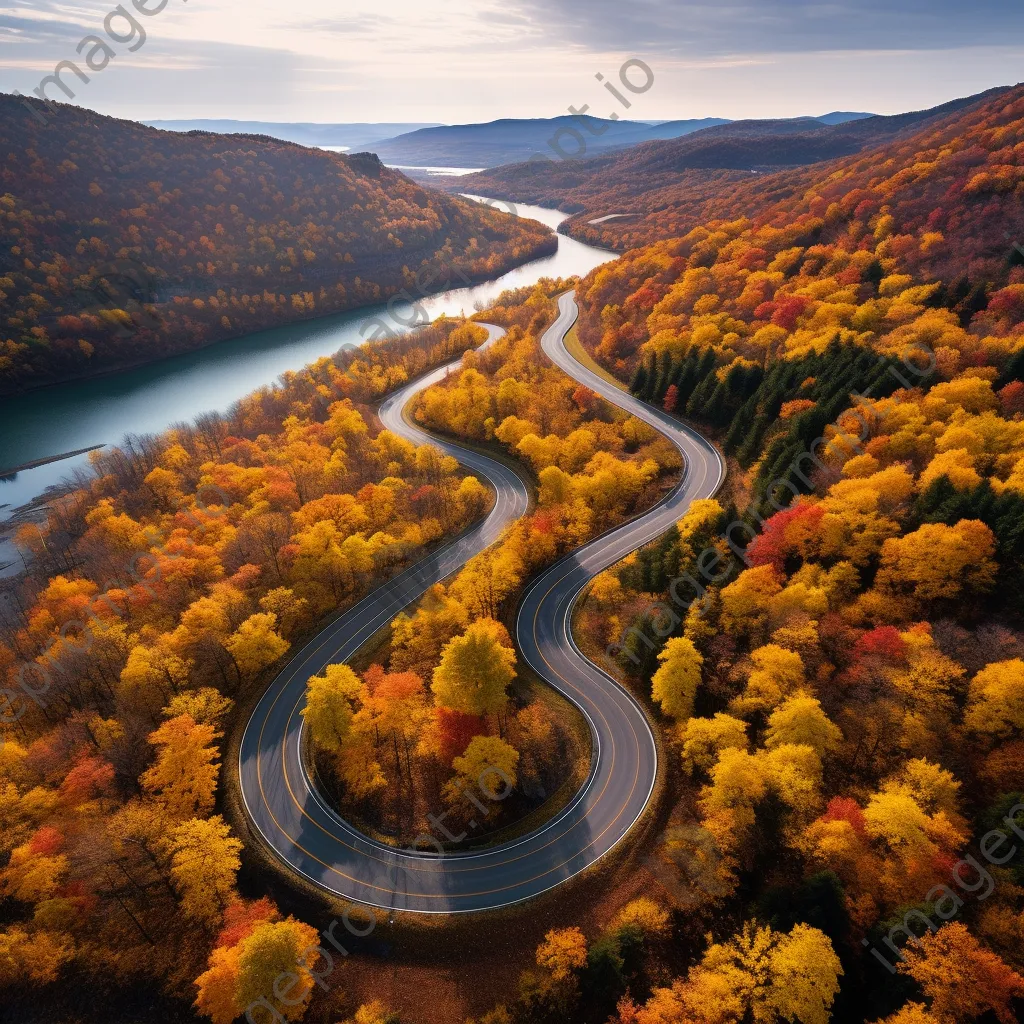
(639, 382)
(739, 429)
(750, 449)
(698, 401)
(1014, 370)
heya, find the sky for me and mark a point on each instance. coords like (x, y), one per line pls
(453, 61)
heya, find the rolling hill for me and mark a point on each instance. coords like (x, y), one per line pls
(657, 188)
(126, 244)
(820, 251)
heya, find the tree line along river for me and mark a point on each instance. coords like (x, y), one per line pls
(98, 411)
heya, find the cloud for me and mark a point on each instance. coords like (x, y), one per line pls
(200, 76)
(476, 60)
(350, 25)
(504, 18)
(725, 27)
(20, 30)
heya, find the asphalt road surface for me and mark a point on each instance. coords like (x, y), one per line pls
(316, 843)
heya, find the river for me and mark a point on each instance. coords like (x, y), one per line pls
(101, 410)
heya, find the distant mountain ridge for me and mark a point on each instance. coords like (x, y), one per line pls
(492, 144)
(607, 193)
(842, 116)
(513, 140)
(352, 136)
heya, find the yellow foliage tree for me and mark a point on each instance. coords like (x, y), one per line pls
(777, 673)
(476, 669)
(30, 876)
(36, 956)
(562, 953)
(256, 644)
(217, 987)
(328, 711)
(417, 640)
(645, 915)
(995, 704)
(703, 739)
(277, 956)
(183, 779)
(205, 706)
(801, 720)
(487, 580)
(938, 562)
(674, 685)
(204, 863)
(374, 1012)
(488, 764)
(778, 976)
(747, 600)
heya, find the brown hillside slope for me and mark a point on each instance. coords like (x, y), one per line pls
(123, 243)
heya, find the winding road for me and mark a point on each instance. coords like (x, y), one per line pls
(315, 842)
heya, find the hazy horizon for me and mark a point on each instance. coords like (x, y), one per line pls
(459, 63)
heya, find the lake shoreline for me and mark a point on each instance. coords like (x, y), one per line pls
(126, 366)
(46, 432)
(35, 464)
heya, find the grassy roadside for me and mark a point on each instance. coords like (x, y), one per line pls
(582, 356)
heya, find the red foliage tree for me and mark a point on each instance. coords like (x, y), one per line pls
(542, 522)
(1012, 398)
(46, 842)
(242, 917)
(883, 645)
(455, 729)
(585, 399)
(844, 808)
(91, 777)
(788, 310)
(784, 533)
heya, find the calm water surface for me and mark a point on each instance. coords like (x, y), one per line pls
(102, 410)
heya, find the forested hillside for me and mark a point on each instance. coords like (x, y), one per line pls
(664, 189)
(159, 597)
(831, 649)
(835, 644)
(123, 244)
(827, 253)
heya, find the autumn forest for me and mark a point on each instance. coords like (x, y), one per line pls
(128, 244)
(826, 644)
